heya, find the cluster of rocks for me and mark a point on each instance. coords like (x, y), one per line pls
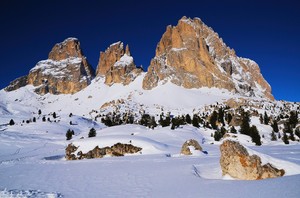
(236, 162)
(235, 159)
(116, 150)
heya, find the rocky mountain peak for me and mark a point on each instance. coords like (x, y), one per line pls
(109, 57)
(66, 71)
(192, 55)
(117, 65)
(66, 49)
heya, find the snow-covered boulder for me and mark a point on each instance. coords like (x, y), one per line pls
(236, 162)
(190, 145)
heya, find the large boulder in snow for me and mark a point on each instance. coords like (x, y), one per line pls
(116, 150)
(236, 162)
(188, 145)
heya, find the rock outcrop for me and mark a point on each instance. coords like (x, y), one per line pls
(192, 55)
(17, 83)
(117, 65)
(185, 149)
(236, 162)
(116, 150)
(66, 71)
(70, 152)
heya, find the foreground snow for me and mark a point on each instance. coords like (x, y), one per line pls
(34, 163)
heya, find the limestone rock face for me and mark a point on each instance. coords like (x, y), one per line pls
(192, 55)
(185, 149)
(117, 65)
(116, 150)
(236, 161)
(66, 71)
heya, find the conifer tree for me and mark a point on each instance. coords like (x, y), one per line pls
(297, 132)
(188, 119)
(255, 135)
(229, 118)
(217, 136)
(261, 119)
(221, 116)
(275, 126)
(285, 138)
(293, 119)
(273, 136)
(153, 123)
(245, 126)
(92, 133)
(11, 122)
(54, 115)
(232, 130)
(213, 119)
(266, 119)
(292, 137)
(164, 122)
(223, 131)
(196, 121)
(287, 128)
(69, 134)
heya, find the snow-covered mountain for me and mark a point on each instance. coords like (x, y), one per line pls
(190, 54)
(66, 71)
(195, 88)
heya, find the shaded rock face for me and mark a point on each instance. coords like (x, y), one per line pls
(16, 84)
(192, 55)
(116, 150)
(66, 71)
(117, 65)
(185, 149)
(236, 162)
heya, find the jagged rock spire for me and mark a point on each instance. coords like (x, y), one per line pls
(117, 65)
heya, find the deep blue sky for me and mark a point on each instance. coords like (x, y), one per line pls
(265, 31)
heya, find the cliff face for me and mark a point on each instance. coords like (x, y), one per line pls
(117, 65)
(192, 55)
(66, 71)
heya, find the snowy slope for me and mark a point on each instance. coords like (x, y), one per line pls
(35, 162)
(167, 96)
